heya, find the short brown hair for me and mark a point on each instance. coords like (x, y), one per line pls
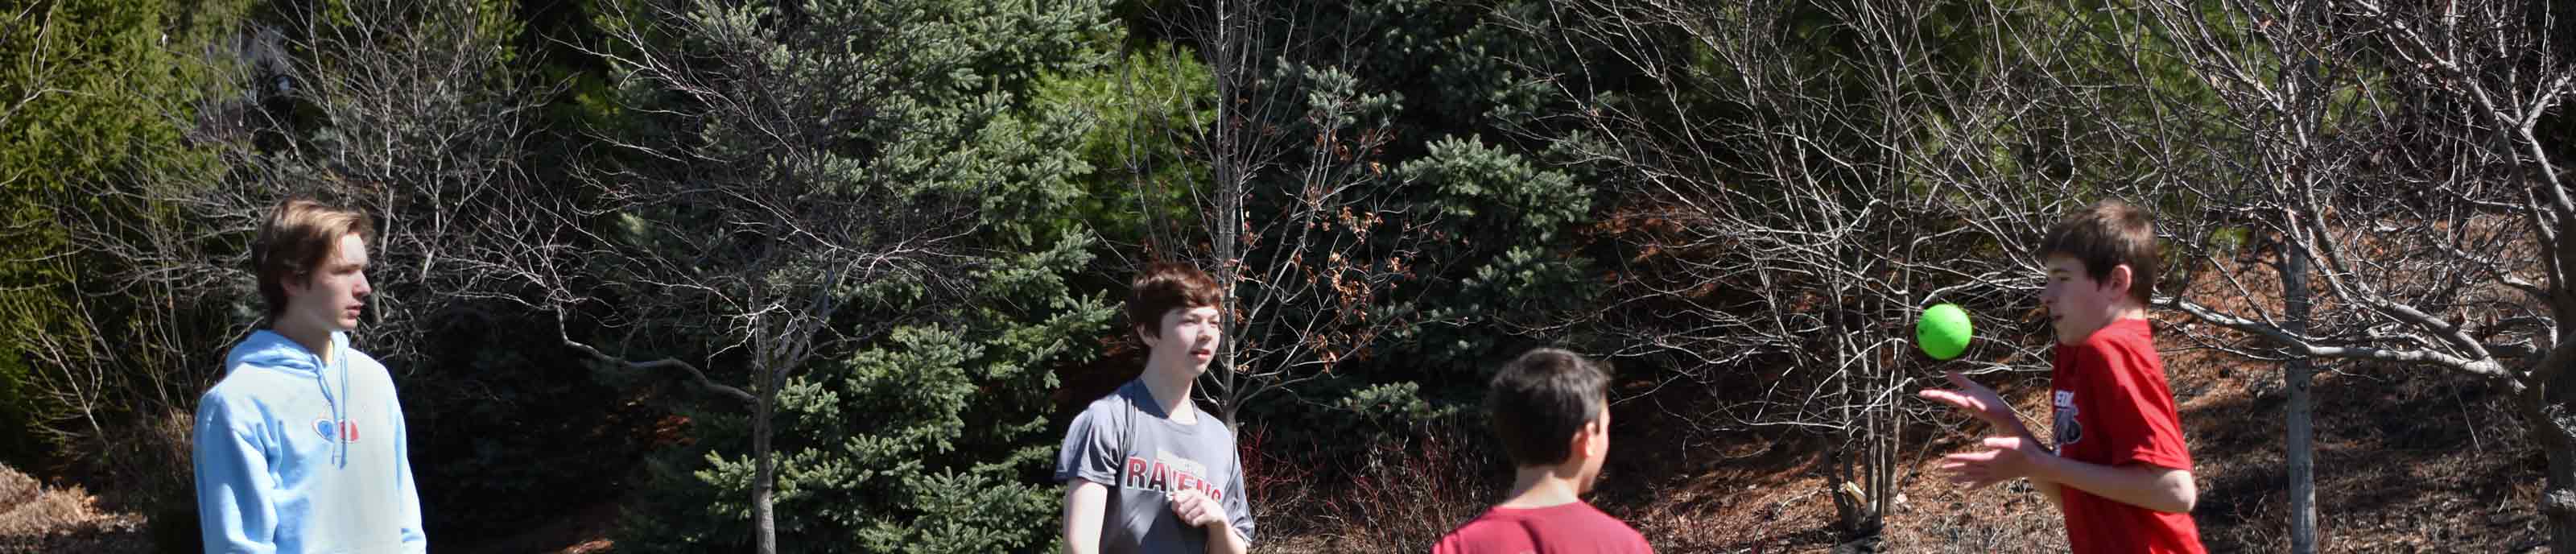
(298, 237)
(1167, 286)
(1538, 401)
(2105, 235)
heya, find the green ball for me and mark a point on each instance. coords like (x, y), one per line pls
(1944, 331)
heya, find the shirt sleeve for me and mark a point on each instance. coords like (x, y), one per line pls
(1452, 544)
(2130, 410)
(1090, 450)
(234, 508)
(414, 538)
(1237, 509)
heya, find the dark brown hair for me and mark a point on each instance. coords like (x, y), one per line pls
(1164, 287)
(2105, 235)
(298, 238)
(1538, 401)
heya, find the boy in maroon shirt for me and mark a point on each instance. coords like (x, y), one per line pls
(2118, 468)
(1552, 409)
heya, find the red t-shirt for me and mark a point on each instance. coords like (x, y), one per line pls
(2113, 409)
(1571, 528)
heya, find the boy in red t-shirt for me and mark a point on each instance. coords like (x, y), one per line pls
(1552, 409)
(2119, 469)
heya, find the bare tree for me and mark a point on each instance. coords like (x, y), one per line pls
(404, 109)
(770, 181)
(2301, 114)
(1299, 219)
(1804, 195)
(2401, 166)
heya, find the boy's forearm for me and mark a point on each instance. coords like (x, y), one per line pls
(1224, 540)
(2046, 487)
(2049, 490)
(1084, 505)
(2153, 488)
(1077, 541)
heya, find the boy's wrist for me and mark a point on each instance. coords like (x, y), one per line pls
(2014, 427)
(2046, 465)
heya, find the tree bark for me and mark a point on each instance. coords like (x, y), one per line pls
(2558, 493)
(764, 520)
(2558, 501)
(2295, 377)
(2542, 402)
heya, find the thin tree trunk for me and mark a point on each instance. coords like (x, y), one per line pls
(1894, 444)
(2542, 404)
(764, 520)
(2295, 377)
(2557, 501)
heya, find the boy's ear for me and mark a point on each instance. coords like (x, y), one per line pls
(1578, 446)
(2119, 278)
(1590, 441)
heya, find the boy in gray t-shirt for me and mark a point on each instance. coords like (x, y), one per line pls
(1124, 441)
(1144, 470)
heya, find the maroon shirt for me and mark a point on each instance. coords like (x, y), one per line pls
(1571, 528)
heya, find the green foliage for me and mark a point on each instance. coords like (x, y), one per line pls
(1510, 259)
(917, 444)
(1488, 216)
(1497, 193)
(1139, 111)
(921, 434)
(1465, 67)
(89, 91)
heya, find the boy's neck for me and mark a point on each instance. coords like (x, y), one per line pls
(1541, 487)
(1170, 388)
(316, 340)
(2127, 310)
(2121, 313)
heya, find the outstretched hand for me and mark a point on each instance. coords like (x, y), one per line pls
(1976, 400)
(2007, 458)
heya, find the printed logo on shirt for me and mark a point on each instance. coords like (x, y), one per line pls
(342, 430)
(1167, 473)
(2066, 430)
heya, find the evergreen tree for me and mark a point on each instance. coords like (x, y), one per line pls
(862, 209)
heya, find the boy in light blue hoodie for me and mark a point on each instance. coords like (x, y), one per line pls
(301, 447)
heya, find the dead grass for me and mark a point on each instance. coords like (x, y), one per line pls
(35, 518)
(1418, 489)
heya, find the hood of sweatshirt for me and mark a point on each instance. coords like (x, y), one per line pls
(267, 350)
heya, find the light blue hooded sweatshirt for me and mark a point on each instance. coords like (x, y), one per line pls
(294, 455)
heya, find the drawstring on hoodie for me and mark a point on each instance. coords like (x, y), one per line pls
(340, 357)
(339, 429)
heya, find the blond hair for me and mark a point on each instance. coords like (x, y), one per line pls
(298, 238)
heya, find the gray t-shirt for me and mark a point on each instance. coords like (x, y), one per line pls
(1125, 442)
